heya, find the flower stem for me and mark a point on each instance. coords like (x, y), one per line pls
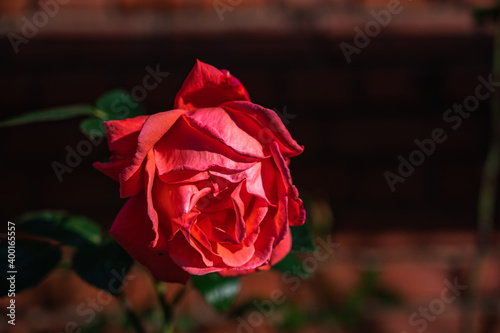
(168, 318)
(487, 195)
(132, 318)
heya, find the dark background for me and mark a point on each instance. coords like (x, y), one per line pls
(353, 119)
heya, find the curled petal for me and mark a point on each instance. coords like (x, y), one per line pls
(122, 138)
(154, 128)
(282, 249)
(261, 181)
(235, 255)
(228, 129)
(150, 172)
(207, 86)
(270, 127)
(279, 252)
(296, 212)
(185, 148)
(193, 259)
(172, 203)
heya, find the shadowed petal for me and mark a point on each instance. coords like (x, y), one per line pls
(270, 127)
(122, 138)
(154, 128)
(132, 229)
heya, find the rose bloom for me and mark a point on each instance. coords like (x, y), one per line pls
(208, 182)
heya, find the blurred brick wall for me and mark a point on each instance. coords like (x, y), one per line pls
(14, 6)
(411, 266)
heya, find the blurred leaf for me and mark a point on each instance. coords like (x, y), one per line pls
(301, 240)
(152, 317)
(60, 226)
(352, 312)
(291, 265)
(293, 318)
(387, 297)
(219, 292)
(33, 261)
(98, 325)
(93, 127)
(185, 323)
(104, 266)
(481, 15)
(118, 104)
(320, 218)
(65, 112)
(369, 280)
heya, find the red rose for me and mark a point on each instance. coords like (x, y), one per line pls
(209, 184)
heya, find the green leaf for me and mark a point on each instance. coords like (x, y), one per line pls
(301, 240)
(118, 104)
(351, 313)
(68, 229)
(387, 297)
(292, 317)
(219, 292)
(105, 265)
(291, 265)
(52, 114)
(33, 261)
(93, 127)
(369, 280)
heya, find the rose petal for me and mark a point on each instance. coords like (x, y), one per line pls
(254, 216)
(184, 148)
(271, 127)
(282, 249)
(192, 259)
(173, 206)
(240, 199)
(296, 211)
(238, 272)
(202, 238)
(183, 177)
(263, 245)
(206, 86)
(154, 128)
(228, 129)
(235, 255)
(122, 138)
(132, 229)
(114, 167)
(279, 252)
(261, 181)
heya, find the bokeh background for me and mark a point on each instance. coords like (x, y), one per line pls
(354, 118)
